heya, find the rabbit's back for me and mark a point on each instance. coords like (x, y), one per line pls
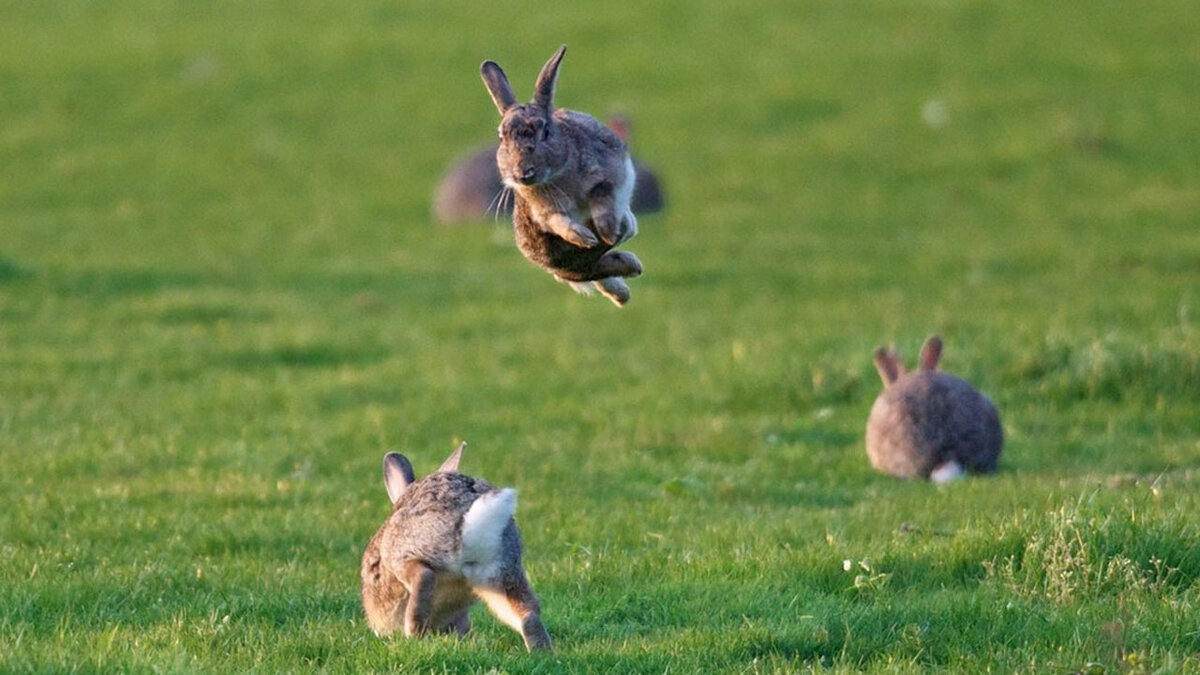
(427, 520)
(595, 139)
(927, 419)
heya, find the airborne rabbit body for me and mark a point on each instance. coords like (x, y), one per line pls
(450, 540)
(573, 180)
(929, 424)
(471, 188)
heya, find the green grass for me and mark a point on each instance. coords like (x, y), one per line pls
(222, 299)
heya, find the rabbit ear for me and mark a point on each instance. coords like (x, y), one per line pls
(497, 85)
(543, 92)
(931, 353)
(888, 365)
(451, 463)
(620, 125)
(397, 474)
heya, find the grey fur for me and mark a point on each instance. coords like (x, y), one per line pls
(414, 576)
(573, 181)
(926, 419)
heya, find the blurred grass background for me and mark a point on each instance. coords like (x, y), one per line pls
(222, 298)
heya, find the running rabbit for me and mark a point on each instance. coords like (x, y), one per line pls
(449, 540)
(929, 424)
(573, 180)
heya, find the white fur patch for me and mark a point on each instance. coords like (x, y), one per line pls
(624, 194)
(624, 191)
(947, 472)
(501, 607)
(483, 526)
(581, 287)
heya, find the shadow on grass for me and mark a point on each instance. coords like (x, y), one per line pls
(11, 272)
(307, 356)
(816, 437)
(131, 282)
(147, 603)
(207, 314)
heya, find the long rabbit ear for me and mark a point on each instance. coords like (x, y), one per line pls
(931, 353)
(543, 92)
(451, 463)
(397, 474)
(497, 85)
(888, 365)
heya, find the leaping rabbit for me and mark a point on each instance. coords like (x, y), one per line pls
(572, 178)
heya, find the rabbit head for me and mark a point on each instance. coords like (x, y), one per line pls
(533, 149)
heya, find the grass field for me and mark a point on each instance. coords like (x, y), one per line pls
(222, 299)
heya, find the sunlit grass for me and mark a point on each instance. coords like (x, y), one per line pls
(222, 299)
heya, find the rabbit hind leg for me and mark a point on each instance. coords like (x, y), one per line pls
(421, 582)
(615, 289)
(617, 264)
(517, 606)
(460, 625)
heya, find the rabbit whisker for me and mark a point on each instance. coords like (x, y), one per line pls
(493, 202)
(506, 201)
(497, 202)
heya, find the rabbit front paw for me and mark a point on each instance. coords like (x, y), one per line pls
(627, 229)
(580, 236)
(571, 231)
(608, 227)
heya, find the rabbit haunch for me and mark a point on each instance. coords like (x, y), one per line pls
(929, 424)
(450, 540)
(572, 179)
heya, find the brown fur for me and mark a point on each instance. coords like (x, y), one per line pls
(416, 575)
